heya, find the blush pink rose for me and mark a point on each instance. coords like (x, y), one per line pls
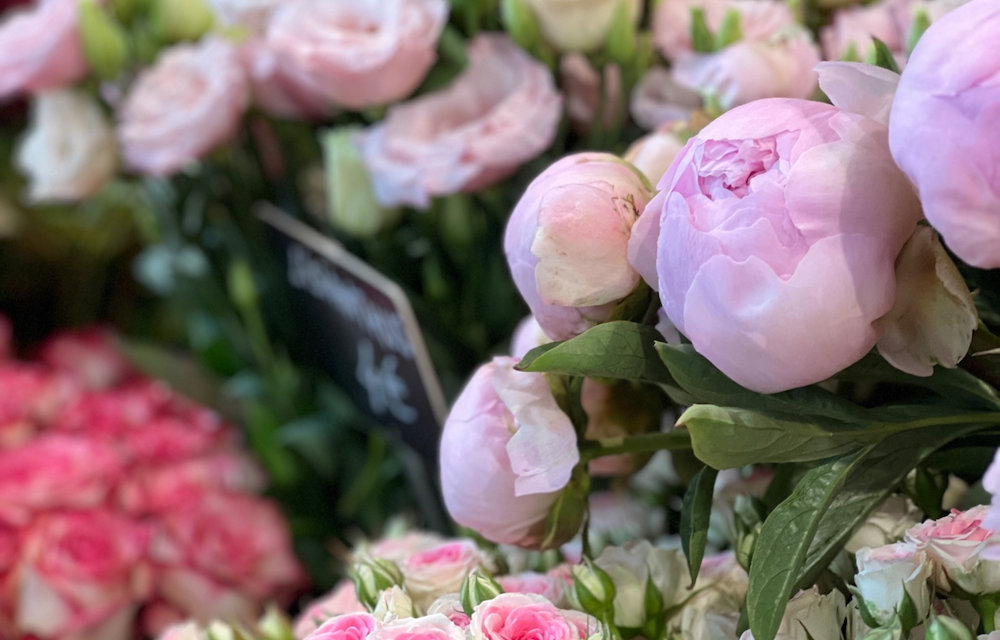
(342, 600)
(40, 48)
(567, 241)
(187, 104)
(550, 586)
(450, 606)
(759, 20)
(506, 452)
(32, 398)
(357, 53)
(853, 28)
(399, 548)
(352, 626)
(78, 572)
(89, 355)
(949, 103)
(439, 570)
(177, 486)
(769, 204)
(523, 616)
(962, 551)
(56, 472)
(502, 111)
(430, 627)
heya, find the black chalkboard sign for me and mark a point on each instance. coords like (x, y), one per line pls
(363, 330)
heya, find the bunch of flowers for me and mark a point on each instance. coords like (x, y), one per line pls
(124, 507)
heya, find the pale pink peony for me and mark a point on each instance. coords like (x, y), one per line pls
(522, 616)
(439, 570)
(357, 53)
(502, 111)
(653, 153)
(853, 28)
(430, 627)
(567, 241)
(352, 626)
(527, 336)
(56, 472)
(506, 452)
(659, 101)
(79, 572)
(40, 48)
(552, 587)
(187, 104)
(771, 203)
(759, 20)
(90, 355)
(947, 103)
(342, 600)
(961, 550)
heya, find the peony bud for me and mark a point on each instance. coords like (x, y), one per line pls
(593, 590)
(353, 208)
(103, 41)
(477, 588)
(393, 604)
(180, 20)
(373, 575)
(947, 628)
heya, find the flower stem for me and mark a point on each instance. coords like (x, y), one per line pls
(645, 443)
(987, 607)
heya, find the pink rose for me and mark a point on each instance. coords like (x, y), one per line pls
(179, 485)
(357, 54)
(188, 103)
(853, 28)
(40, 48)
(31, 399)
(585, 99)
(506, 452)
(431, 627)
(56, 472)
(90, 355)
(659, 101)
(770, 203)
(167, 439)
(567, 241)
(342, 600)
(551, 587)
(759, 20)
(353, 626)
(944, 103)
(521, 616)
(398, 549)
(79, 572)
(502, 111)
(653, 153)
(6, 338)
(450, 606)
(956, 545)
(439, 570)
(888, 575)
(781, 67)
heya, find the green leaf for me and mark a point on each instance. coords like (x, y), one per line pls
(730, 32)
(703, 381)
(883, 56)
(566, 514)
(695, 516)
(619, 350)
(702, 40)
(727, 438)
(785, 539)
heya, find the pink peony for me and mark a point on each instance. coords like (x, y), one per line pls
(567, 241)
(506, 452)
(357, 53)
(770, 204)
(947, 103)
(853, 28)
(56, 472)
(550, 586)
(956, 544)
(80, 572)
(759, 20)
(439, 570)
(431, 627)
(353, 626)
(502, 111)
(40, 48)
(342, 600)
(89, 355)
(653, 153)
(520, 616)
(188, 103)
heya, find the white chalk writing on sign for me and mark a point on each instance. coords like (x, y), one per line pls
(385, 327)
(386, 389)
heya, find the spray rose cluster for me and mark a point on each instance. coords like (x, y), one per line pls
(123, 506)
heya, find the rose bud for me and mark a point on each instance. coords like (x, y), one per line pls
(477, 588)
(944, 104)
(393, 604)
(890, 575)
(372, 576)
(567, 241)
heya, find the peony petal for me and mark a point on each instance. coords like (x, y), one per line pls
(934, 316)
(863, 89)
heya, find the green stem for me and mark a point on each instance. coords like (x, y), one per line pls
(646, 443)
(987, 607)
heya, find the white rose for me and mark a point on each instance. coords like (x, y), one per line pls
(669, 570)
(886, 525)
(629, 572)
(69, 152)
(579, 25)
(393, 604)
(811, 616)
(886, 573)
(713, 612)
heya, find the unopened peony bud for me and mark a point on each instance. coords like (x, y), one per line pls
(520, 23)
(352, 207)
(593, 590)
(372, 576)
(394, 604)
(180, 20)
(103, 41)
(477, 588)
(947, 628)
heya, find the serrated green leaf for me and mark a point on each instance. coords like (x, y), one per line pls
(695, 516)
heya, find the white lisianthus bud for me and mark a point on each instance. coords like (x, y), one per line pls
(894, 580)
(393, 604)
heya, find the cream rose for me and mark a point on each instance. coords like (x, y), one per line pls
(439, 570)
